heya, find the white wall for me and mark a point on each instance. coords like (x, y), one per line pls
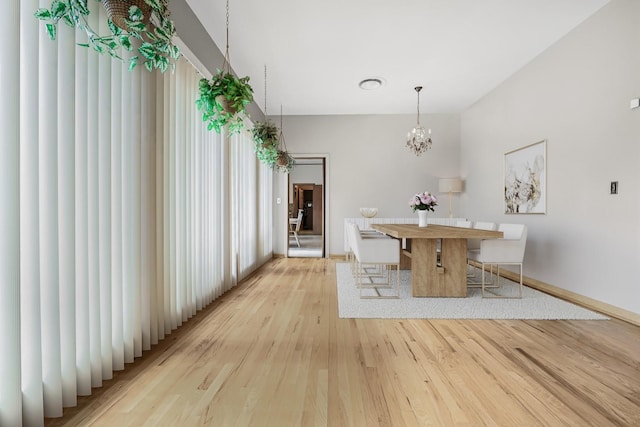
(576, 96)
(369, 166)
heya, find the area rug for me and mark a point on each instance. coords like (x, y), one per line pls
(533, 305)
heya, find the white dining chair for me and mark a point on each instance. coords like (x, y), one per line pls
(508, 250)
(294, 226)
(380, 253)
(473, 249)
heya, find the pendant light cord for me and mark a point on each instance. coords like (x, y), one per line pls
(265, 91)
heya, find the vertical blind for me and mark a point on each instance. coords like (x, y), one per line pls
(121, 216)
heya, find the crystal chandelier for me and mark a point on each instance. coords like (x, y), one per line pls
(419, 139)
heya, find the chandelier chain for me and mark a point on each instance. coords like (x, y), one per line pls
(418, 107)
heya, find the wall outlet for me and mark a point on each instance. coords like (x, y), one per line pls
(635, 103)
(614, 187)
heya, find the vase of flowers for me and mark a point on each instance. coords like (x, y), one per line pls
(423, 202)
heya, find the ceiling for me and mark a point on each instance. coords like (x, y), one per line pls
(316, 52)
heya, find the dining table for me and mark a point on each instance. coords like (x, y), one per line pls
(437, 255)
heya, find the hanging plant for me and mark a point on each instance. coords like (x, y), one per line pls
(265, 137)
(284, 162)
(223, 100)
(129, 20)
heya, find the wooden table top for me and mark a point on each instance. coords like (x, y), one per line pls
(434, 231)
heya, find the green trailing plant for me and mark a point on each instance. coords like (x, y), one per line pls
(284, 163)
(223, 100)
(265, 137)
(154, 31)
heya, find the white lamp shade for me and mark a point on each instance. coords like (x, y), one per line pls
(450, 185)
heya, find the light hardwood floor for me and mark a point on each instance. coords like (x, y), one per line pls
(273, 352)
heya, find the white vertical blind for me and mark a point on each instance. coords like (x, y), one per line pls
(117, 329)
(83, 354)
(48, 220)
(10, 395)
(114, 213)
(66, 212)
(104, 207)
(30, 331)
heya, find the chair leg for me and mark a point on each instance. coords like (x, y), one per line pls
(494, 295)
(295, 234)
(388, 285)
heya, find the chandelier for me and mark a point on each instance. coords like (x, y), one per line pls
(419, 139)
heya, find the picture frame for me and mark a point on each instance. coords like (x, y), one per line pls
(525, 179)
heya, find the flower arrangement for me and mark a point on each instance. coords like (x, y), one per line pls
(423, 202)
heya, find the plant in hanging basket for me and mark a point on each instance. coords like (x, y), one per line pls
(223, 100)
(284, 162)
(265, 137)
(145, 21)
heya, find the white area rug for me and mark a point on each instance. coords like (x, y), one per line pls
(533, 305)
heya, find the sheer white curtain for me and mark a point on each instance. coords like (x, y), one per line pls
(115, 213)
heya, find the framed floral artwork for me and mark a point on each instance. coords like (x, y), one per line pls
(525, 179)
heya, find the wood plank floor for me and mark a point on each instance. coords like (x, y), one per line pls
(273, 352)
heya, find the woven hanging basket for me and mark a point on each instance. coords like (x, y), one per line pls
(283, 159)
(118, 11)
(226, 105)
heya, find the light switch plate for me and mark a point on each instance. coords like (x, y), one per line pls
(635, 103)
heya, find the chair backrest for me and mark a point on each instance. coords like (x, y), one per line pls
(513, 231)
(485, 225)
(352, 237)
(509, 249)
(473, 244)
(463, 224)
(299, 220)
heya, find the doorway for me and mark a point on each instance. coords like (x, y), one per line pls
(306, 197)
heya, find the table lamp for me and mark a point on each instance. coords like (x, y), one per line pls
(450, 185)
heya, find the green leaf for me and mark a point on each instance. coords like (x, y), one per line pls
(162, 34)
(162, 63)
(175, 54)
(81, 7)
(150, 36)
(126, 43)
(135, 26)
(115, 30)
(148, 65)
(153, 3)
(98, 48)
(58, 9)
(42, 13)
(51, 31)
(135, 14)
(146, 49)
(67, 20)
(133, 61)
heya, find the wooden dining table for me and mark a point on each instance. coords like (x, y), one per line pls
(430, 276)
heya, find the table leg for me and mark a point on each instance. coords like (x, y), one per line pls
(428, 279)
